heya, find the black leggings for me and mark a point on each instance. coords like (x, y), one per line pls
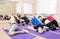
(55, 23)
(38, 27)
(51, 26)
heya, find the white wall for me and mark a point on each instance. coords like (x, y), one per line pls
(7, 8)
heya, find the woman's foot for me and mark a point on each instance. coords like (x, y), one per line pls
(57, 27)
(25, 31)
(40, 30)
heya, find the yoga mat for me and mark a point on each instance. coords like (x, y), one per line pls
(21, 36)
(57, 31)
(48, 35)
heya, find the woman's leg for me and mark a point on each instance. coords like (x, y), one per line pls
(13, 28)
(40, 28)
(36, 28)
(51, 26)
(55, 23)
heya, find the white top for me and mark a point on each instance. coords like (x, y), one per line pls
(12, 19)
(47, 21)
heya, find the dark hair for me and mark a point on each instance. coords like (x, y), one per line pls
(39, 16)
(17, 20)
(1, 15)
(18, 15)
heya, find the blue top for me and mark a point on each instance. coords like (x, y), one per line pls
(35, 21)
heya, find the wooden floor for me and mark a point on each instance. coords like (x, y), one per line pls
(3, 35)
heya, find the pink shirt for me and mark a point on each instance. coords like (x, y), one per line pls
(50, 18)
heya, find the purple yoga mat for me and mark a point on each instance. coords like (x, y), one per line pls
(21, 36)
(47, 35)
(57, 31)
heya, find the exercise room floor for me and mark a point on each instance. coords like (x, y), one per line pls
(31, 35)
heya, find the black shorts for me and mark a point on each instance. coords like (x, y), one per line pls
(38, 26)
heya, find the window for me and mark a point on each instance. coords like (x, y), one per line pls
(46, 6)
(18, 7)
(27, 8)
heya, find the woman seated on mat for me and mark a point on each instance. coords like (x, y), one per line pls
(14, 26)
(27, 21)
(53, 21)
(36, 24)
(42, 20)
(48, 24)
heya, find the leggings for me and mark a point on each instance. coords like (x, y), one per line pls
(13, 28)
(36, 27)
(51, 26)
(55, 23)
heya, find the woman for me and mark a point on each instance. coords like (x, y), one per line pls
(14, 26)
(37, 24)
(26, 20)
(53, 21)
